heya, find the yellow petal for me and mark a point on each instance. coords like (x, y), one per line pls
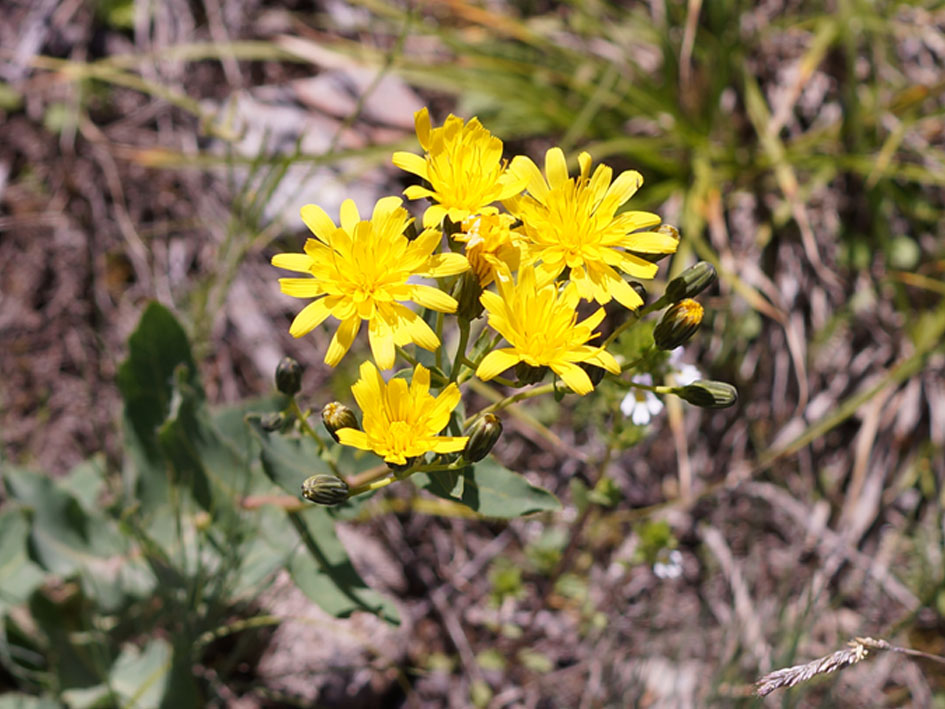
(382, 345)
(354, 438)
(572, 375)
(349, 215)
(523, 168)
(310, 317)
(440, 265)
(433, 298)
(319, 223)
(301, 287)
(292, 262)
(497, 362)
(341, 340)
(414, 164)
(556, 167)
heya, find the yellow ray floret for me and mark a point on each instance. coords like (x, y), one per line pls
(402, 422)
(360, 270)
(540, 324)
(463, 166)
(573, 223)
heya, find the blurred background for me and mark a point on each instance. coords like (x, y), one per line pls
(161, 150)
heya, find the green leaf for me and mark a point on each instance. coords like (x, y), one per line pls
(324, 573)
(25, 701)
(139, 677)
(156, 349)
(493, 490)
(63, 536)
(18, 575)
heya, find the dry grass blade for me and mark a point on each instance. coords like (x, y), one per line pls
(858, 650)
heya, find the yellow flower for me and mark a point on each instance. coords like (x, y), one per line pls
(463, 166)
(401, 422)
(572, 222)
(541, 325)
(360, 271)
(492, 248)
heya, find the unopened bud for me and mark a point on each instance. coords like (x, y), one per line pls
(466, 292)
(483, 435)
(325, 489)
(708, 394)
(289, 376)
(691, 282)
(640, 290)
(273, 421)
(678, 324)
(336, 416)
(527, 374)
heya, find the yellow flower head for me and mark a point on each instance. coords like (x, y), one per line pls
(360, 270)
(572, 222)
(540, 323)
(401, 422)
(463, 166)
(492, 248)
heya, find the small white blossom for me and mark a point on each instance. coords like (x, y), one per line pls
(668, 564)
(685, 373)
(641, 405)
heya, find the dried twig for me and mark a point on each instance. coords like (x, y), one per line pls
(858, 650)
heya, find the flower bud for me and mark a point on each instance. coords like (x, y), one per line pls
(325, 489)
(640, 290)
(336, 416)
(289, 376)
(678, 324)
(527, 374)
(483, 435)
(691, 282)
(273, 421)
(708, 394)
(466, 292)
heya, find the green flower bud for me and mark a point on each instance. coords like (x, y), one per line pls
(708, 394)
(336, 416)
(325, 489)
(678, 324)
(691, 282)
(466, 292)
(527, 374)
(483, 435)
(273, 421)
(668, 229)
(641, 291)
(289, 376)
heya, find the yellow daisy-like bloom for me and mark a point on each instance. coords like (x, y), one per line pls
(572, 222)
(492, 248)
(401, 422)
(360, 270)
(541, 325)
(464, 167)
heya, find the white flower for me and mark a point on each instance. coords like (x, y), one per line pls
(668, 564)
(686, 373)
(641, 405)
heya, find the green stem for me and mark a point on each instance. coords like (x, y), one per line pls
(460, 349)
(306, 427)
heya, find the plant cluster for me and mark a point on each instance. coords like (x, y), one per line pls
(517, 276)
